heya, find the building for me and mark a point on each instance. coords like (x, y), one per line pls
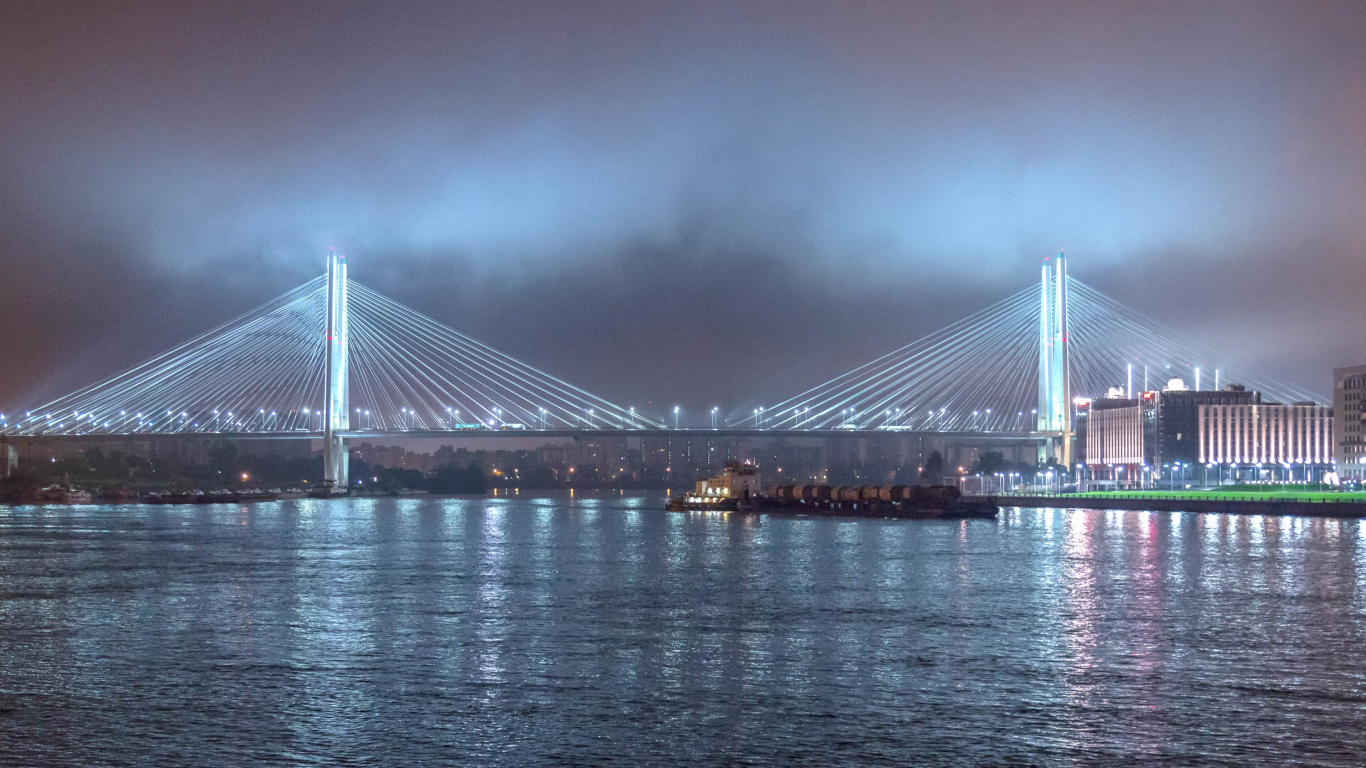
(1114, 438)
(1266, 434)
(1176, 418)
(1349, 450)
(1179, 436)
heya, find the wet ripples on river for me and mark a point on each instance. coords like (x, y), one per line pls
(597, 631)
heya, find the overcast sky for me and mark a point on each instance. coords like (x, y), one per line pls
(686, 202)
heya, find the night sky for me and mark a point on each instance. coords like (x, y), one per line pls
(705, 203)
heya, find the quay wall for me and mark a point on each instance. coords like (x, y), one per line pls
(1176, 504)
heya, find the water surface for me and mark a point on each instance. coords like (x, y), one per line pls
(604, 631)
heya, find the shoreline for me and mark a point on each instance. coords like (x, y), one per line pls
(1175, 503)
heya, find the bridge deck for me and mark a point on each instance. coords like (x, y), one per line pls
(470, 434)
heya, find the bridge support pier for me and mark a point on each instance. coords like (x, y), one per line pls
(336, 461)
(9, 459)
(1055, 385)
(337, 412)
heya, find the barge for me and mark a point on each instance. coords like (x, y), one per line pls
(900, 501)
(736, 490)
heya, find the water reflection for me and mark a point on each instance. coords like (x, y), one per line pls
(530, 629)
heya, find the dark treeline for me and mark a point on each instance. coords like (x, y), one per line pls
(223, 465)
(224, 468)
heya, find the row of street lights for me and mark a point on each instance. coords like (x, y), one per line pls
(1176, 472)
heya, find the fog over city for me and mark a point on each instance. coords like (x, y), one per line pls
(692, 203)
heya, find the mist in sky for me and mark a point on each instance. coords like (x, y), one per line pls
(697, 203)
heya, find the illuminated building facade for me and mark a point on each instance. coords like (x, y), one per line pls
(1114, 431)
(1266, 433)
(1176, 431)
(1349, 428)
(1177, 418)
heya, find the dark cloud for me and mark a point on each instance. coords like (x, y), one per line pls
(701, 203)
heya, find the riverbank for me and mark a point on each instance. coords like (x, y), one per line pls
(1303, 504)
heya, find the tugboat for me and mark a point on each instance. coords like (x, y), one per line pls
(737, 483)
(64, 494)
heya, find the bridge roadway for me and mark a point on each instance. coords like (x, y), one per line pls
(469, 434)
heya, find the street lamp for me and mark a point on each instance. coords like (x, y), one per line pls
(715, 409)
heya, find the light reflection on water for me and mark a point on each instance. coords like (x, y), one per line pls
(525, 629)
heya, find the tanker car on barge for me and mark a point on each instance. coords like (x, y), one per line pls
(905, 501)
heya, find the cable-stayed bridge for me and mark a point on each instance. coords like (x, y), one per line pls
(334, 360)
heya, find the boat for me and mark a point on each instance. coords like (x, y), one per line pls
(736, 484)
(62, 494)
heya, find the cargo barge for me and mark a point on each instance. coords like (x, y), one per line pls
(899, 501)
(221, 497)
(737, 490)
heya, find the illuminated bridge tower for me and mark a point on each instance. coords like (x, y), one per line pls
(336, 413)
(1055, 389)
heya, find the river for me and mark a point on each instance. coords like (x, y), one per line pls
(604, 631)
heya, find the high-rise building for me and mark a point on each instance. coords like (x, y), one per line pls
(1349, 448)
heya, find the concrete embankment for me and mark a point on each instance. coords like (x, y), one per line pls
(1159, 503)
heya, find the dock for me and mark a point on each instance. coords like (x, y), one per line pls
(1231, 505)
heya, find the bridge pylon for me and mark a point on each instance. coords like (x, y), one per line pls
(336, 411)
(1055, 384)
